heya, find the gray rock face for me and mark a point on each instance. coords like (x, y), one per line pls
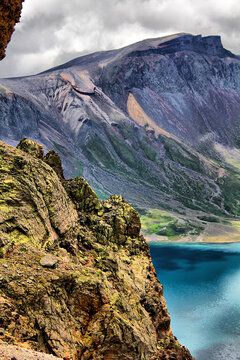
(48, 261)
(145, 121)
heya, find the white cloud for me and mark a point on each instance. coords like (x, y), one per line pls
(55, 31)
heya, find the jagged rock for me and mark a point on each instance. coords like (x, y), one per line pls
(48, 261)
(34, 205)
(53, 159)
(83, 196)
(124, 220)
(103, 300)
(31, 148)
(9, 15)
(168, 349)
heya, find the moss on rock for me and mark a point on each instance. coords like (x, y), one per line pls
(31, 148)
(9, 15)
(101, 299)
(53, 159)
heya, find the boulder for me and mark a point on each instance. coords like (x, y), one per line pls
(32, 148)
(49, 261)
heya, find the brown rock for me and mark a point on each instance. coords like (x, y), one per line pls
(49, 261)
(9, 15)
(31, 148)
(53, 159)
(103, 300)
(83, 196)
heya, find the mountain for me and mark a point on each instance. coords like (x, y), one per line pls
(76, 276)
(156, 121)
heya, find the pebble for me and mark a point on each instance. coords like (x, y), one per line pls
(4, 265)
(49, 261)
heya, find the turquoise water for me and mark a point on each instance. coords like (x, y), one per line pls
(202, 289)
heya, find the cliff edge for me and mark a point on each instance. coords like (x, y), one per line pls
(76, 276)
(10, 12)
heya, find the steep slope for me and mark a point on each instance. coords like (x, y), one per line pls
(154, 121)
(76, 277)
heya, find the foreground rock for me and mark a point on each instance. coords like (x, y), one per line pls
(9, 15)
(16, 352)
(103, 299)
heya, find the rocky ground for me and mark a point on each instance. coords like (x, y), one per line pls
(12, 352)
(76, 276)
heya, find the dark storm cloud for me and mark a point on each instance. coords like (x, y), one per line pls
(54, 31)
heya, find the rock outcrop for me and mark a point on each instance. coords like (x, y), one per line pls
(10, 11)
(76, 277)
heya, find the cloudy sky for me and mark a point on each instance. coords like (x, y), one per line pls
(52, 32)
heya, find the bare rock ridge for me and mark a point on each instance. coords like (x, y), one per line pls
(76, 277)
(154, 121)
(208, 45)
(10, 11)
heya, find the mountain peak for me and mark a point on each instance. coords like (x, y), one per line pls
(208, 45)
(205, 45)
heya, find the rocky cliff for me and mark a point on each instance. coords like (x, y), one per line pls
(10, 11)
(157, 121)
(76, 277)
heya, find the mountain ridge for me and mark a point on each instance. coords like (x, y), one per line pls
(184, 41)
(155, 127)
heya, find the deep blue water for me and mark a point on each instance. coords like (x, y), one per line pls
(202, 289)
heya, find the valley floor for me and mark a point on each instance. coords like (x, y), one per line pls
(213, 232)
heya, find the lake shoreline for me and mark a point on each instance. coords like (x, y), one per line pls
(201, 287)
(184, 241)
(212, 233)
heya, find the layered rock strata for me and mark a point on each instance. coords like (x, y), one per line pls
(157, 121)
(100, 297)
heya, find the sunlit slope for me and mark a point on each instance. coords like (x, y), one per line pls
(147, 121)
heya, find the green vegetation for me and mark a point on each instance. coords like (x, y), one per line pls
(61, 149)
(101, 193)
(149, 152)
(177, 153)
(231, 193)
(209, 218)
(123, 150)
(79, 168)
(98, 154)
(162, 223)
(185, 175)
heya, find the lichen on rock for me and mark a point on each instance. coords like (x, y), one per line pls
(53, 159)
(10, 11)
(31, 147)
(83, 196)
(101, 298)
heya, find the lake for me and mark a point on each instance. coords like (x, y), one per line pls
(202, 289)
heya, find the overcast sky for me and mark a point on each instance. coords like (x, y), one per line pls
(52, 32)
